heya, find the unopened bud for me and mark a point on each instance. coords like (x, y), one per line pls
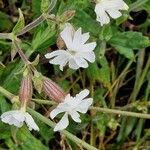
(25, 94)
(52, 90)
(68, 15)
(60, 43)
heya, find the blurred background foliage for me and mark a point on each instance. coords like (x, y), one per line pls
(120, 77)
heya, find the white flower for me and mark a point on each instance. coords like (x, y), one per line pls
(109, 8)
(78, 52)
(17, 117)
(71, 106)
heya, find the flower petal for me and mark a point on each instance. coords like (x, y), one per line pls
(13, 118)
(88, 47)
(85, 37)
(67, 35)
(112, 7)
(56, 111)
(82, 94)
(77, 39)
(75, 116)
(81, 62)
(90, 56)
(102, 16)
(73, 64)
(56, 53)
(114, 13)
(30, 122)
(116, 4)
(84, 105)
(63, 123)
(60, 60)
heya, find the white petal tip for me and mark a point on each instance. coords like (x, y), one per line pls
(47, 55)
(126, 7)
(51, 116)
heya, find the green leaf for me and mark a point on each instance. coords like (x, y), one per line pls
(70, 4)
(13, 51)
(121, 19)
(106, 33)
(45, 5)
(4, 106)
(126, 42)
(82, 19)
(43, 38)
(93, 72)
(104, 72)
(5, 131)
(46, 132)
(5, 23)
(30, 142)
(36, 7)
(12, 84)
(127, 52)
(24, 140)
(20, 24)
(146, 6)
(101, 123)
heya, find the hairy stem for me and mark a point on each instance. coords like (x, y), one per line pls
(105, 110)
(22, 55)
(120, 112)
(70, 136)
(5, 35)
(6, 93)
(32, 25)
(37, 21)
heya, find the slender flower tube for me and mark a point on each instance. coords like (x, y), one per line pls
(26, 90)
(52, 90)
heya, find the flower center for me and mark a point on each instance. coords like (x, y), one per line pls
(72, 52)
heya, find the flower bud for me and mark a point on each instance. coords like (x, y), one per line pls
(60, 43)
(25, 93)
(52, 90)
(68, 15)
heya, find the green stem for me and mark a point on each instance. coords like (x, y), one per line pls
(32, 25)
(137, 4)
(70, 136)
(5, 36)
(6, 93)
(46, 102)
(120, 112)
(105, 110)
(145, 71)
(37, 21)
(21, 54)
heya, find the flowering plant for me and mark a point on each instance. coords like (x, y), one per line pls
(74, 73)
